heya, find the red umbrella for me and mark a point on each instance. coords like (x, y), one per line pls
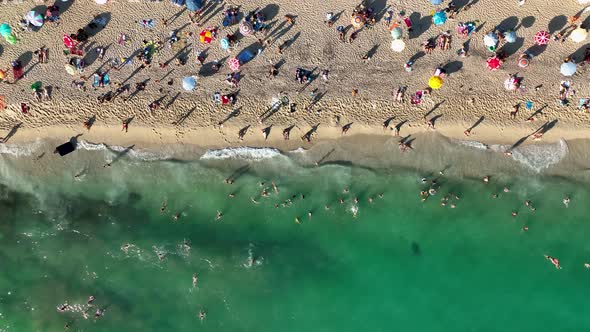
(69, 42)
(542, 37)
(494, 63)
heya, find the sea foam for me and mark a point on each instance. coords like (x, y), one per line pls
(132, 153)
(20, 150)
(246, 153)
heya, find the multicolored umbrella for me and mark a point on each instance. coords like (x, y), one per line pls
(439, 18)
(206, 36)
(568, 69)
(579, 35)
(35, 19)
(542, 37)
(510, 36)
(189, 83)
(436, 2)
(246, 28)
(396, 33)
(494, 63)
(234, 64)
(69, 42)
(224, 43)
(398, 45)
(357, 21)
(511, 84)
(435, 82)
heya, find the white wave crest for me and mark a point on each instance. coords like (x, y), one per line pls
(540, 156)
(472, 144)
(246, 153)
(23, 150)
(133, 153)
(298, 150)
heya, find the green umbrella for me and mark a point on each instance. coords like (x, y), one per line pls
(36, 86)
(11, 39)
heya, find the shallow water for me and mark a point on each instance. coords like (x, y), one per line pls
(400, 264)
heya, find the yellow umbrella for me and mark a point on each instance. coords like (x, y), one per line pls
(2, 75)
(70, 69)
(435, 82)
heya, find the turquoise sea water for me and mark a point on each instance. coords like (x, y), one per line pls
(400, 265)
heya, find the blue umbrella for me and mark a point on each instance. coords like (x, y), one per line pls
(194, 5)
(510, 36)
(436, 2)
(568, 68)
(224, 43)
(189, 83)
(245, 56)
(439, 18)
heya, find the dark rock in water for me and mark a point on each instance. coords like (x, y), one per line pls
(416, 249)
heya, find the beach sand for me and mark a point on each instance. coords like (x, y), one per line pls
(470, 91)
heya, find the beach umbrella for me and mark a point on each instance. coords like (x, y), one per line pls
(493, 63)
(396, 33)
(579, 35)
(101, 2)
(246, 28)
(357, 21)
(524, 61)
(70, 69)
(5, 30)
(206, 36)
(224, 43)
(510, 84)
(490, 40)
(436, 2)
(510, 36)
(234, 64)
(435, 82)
(568, 68)
(439, 18)
(542, 37)
(583, 2)
(194, 5)
(34, 18)
(398, 45)
(189, 83)
(69, 42)
(11, 39)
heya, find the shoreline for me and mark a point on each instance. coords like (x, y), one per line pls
(226, 137)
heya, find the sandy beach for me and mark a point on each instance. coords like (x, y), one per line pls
(470, 91)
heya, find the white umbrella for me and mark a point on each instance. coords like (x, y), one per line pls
(398, 45)
(510, 36)
(34, 18)
(490, 39)
(584, 2)
(568, 68)
(101, 2)
(189, 83)
(579, 35)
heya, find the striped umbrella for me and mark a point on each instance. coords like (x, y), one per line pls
(246, 28)
(234, 64)
(542, 37)
(494, 63)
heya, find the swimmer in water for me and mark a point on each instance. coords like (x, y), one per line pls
(525, 228)
(345, 191)
(370, 200)
(356, 200)
(274, 186)
(202, 315)
(486, 179)
(327, 207)
(431, 191)
(494, 195)
(99, 313)
(176, 216)
(566, 201)
(587, 265)
(424, 180)
(309, 214)
(90, 299)
(514, 213)
(297, 220)
(253, 200)
(125, 247)
(529, 204)
(63, 307)
(506, 189)
(163, 208)
(380, 195)
(229, 181)
(553, 261)
(231, 195)
(195, 279)
(161, 256)
(219, 215)
(341, 200)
